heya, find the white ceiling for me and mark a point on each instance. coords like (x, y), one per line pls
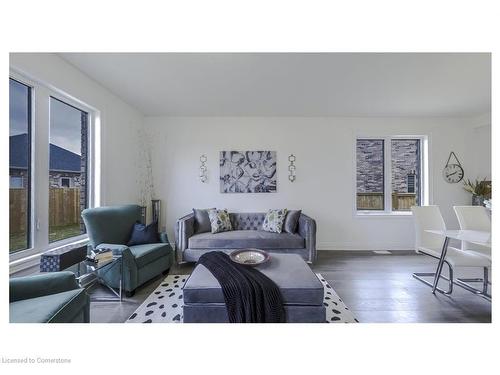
(294, 84)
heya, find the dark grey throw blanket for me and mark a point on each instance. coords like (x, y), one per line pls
(250, 296)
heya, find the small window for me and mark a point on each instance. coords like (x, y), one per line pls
(405, 155)
(388, 178)
(410, 182)
(65, 182)
(16, 182)
(370, 174)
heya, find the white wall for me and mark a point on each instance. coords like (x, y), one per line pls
(480, 147)
(119, 121)
(324, 188)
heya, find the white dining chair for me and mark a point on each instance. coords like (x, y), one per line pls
(430, 244)
(474, 218)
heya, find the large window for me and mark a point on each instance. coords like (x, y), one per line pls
(19, 165)
(68, 162)
(53, 168)
(389, 174)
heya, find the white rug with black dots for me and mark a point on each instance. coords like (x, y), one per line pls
(164, 305)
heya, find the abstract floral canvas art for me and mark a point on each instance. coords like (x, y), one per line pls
(248, 171)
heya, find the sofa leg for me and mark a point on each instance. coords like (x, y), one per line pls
(165, 273)
(129, 294)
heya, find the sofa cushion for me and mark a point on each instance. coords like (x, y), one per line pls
(143, 234)
(274, 220)
(201, 220)
(291, 221)
(219, 220)
(148, 253)
(56, 308)
(247, 220)
(240, 239)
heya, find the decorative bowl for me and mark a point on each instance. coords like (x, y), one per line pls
(249, 257)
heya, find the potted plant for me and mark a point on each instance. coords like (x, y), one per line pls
(480, 190)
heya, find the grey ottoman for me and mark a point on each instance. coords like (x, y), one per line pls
(301, 291)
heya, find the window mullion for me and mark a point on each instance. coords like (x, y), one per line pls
(41, 165)
(387, 175)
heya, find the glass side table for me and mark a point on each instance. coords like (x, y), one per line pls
(87, 275)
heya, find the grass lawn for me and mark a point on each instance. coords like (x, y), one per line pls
(17, 241)
(60, 233)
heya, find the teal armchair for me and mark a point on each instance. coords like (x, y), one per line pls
(48, 298)
(110, 227)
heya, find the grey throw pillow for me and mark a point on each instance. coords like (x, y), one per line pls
(291, 221)
(201, 220)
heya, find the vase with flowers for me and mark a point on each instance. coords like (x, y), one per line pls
(145, 177)
(480, 190)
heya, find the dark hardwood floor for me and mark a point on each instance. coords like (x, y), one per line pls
(380, 289)
(377, 289)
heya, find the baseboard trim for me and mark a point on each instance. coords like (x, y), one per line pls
(332, 246)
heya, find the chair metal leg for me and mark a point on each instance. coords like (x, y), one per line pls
(419, 276)
(464, 283)
(440, 265)
(461, 282)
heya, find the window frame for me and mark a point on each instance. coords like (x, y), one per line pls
(71, 103)
(41, 92)
(29, 173)
(384, 172)
(424, 175)
(93, 146)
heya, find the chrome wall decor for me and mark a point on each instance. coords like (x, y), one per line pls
(203, 169)
(291, 168)
(144, 211)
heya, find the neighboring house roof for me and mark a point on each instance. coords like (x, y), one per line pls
(60, 158)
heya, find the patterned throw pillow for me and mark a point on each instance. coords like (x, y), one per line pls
(273, 222)
(219, 220)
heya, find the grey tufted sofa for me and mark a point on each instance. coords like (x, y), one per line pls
(247, 233)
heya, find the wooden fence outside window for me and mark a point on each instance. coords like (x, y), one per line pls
(64, 208)
(375, 201)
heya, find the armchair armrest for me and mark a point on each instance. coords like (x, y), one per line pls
(123, 250)
(307, 230)
(184, 228)
(25, 287)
